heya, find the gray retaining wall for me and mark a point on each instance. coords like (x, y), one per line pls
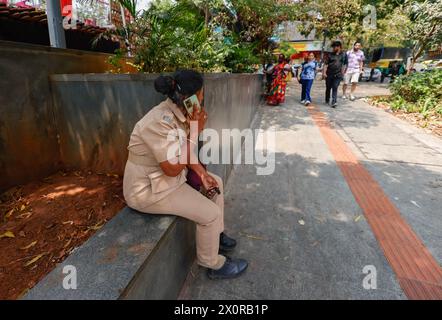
(97, 113)
(49, 122)
(28, 130)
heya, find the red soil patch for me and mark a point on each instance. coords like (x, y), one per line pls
(42, 222)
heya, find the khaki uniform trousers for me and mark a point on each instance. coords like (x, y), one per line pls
(208, 214)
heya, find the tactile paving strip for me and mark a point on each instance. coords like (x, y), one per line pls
(418, 273)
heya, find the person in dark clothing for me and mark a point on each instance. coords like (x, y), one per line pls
(269, 75)
(333, 72)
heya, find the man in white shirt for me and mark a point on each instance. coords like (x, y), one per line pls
(355, 59)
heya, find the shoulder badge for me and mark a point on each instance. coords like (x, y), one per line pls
(168, 119)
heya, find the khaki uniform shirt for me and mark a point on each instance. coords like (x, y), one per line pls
(157, 137)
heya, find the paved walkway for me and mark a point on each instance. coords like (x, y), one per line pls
(304, 232)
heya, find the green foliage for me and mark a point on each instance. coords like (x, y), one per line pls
(418, 92)
(242, 58)
(343, 19)
(171, 36)
(206, 35)
(286, 49)
(129, 5)
(425, 29)
(336, 18)
(116, 61)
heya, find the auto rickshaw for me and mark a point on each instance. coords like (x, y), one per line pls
(389, 67)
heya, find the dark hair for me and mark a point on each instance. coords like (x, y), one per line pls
(336, 43)
(356, 43)
(181, 83)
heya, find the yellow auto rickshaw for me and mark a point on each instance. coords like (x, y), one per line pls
(386, 67)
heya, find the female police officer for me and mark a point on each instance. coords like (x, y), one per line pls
(160, 149)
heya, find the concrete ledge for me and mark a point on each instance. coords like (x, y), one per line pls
(134, 256)
(110, 77)
(19, 46)
(95, 113)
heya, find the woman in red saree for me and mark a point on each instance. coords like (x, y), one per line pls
(279, 72)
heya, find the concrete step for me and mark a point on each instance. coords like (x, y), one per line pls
(134, 256)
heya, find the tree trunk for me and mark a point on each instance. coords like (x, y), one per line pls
(206, 15)
(416, 54)
(323, 47)
(423, 45)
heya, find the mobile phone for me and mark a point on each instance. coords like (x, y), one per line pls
(209, 193)
(192, 102)
(217, 190)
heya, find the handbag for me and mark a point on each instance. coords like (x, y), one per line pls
(194, 180)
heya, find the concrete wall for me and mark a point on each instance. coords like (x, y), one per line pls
(84, 120)
(28, 133)
(151, 257)
(96, 114)
(99, 111)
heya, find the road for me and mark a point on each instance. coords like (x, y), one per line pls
(307, 230)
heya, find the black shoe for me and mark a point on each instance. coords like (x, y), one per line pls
(232, 268)
(226, 243)
(334, 105)
(327, 102)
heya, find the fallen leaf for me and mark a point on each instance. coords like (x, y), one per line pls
(9, 214)
(7, 234)
(33, 267)
(22, 234)
(301, 222)
(96, 226)
(33, 243)
(321, 219)
(251, 236)
(78, 175)
(67, 243)
(24, 215)
(68, 222)
(358, 218)
(23, 207)
(415, 203)
(35, 259)
(23, 293)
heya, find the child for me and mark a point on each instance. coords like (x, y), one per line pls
(306, 77)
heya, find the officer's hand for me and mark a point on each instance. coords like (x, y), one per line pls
(200, 117)
(209, 184)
